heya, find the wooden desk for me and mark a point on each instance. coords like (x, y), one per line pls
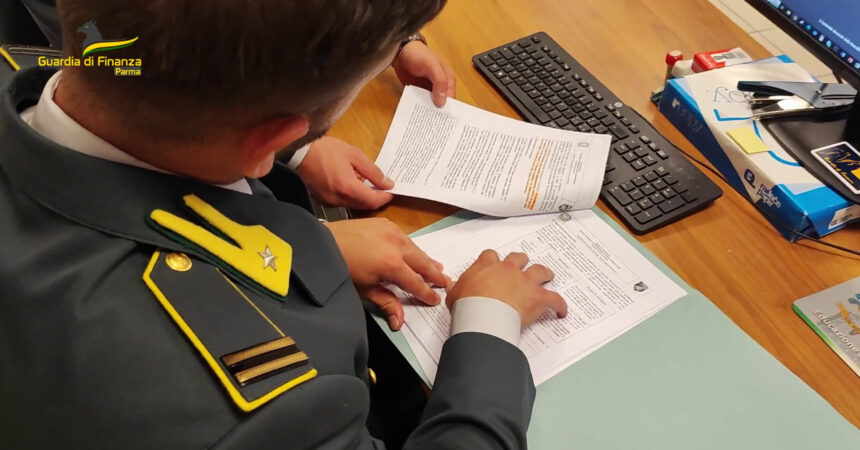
(727, 251)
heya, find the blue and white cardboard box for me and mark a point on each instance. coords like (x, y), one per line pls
(807, 207)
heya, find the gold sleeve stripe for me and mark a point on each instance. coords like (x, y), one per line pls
(9, 58)
(271, 366)
(248, 353)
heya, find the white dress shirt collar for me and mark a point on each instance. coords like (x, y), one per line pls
(49, 120)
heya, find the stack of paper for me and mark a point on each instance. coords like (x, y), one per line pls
(609, 286)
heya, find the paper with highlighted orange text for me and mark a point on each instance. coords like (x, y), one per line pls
(491, 164)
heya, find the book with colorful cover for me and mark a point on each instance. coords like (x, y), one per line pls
(834, 314)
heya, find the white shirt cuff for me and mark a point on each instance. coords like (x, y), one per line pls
(298, 157)
(488, 316)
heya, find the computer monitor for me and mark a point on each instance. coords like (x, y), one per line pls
(830, 29)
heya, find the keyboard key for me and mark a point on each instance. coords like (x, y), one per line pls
(554, 99)
(514, 73)
(659, 185)
(632, 143)
(679, 188)
(496, 55)
(577, 107)
(486, 60)
(598, 97)
(656, 198)
(640, 152)
(653, 146)
(633, 129)
(689, 197)
(517, 49)
(645, 139)
(565, 66)
(632, 209)
(662, 154)
(618, 132)
(671, 205)
(600, 129)
(590, 90)
(536, 39)
(650, 176)
(592, 122)
(500, 74)
(636, 194)
(526, 101)
(639, 181)
(506, 52)
(525, 43)
(569, 127)
(554, 114)
(667, 193)
(647, 215)
(585, 115)
(606, 121)
(600, 114)
(506, 80)
(620, 196)
(626, 122)
(568, 113)
(533, 93)
(670, 179)
(645, 203)
(617, 114)
(649, 160)
(541, 100)
(594, 107)
(564, 94)
(628, 186)
(548, 107)
(638, 164)
(661, 171)
(621, 149)
(528, 87)
(577, 76)
(562, 106)
(647, 189)
(561, 121)
(610, 108)
(583, 128)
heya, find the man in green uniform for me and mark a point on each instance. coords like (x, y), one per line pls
(163, 282)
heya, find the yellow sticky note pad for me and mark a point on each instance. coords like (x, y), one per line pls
(747, 139)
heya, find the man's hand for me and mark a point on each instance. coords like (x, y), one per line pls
(508, 282)
(335, 172)
(377, 252)
(418, 65)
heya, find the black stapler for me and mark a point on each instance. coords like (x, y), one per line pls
(790, 98)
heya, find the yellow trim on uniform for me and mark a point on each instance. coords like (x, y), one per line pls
(254, 305)
(261, 255)
(9, 58)
(237, 397)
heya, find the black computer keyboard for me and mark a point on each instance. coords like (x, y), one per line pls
(648, 182)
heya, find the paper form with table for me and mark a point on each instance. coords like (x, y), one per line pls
(484, 162)
(608, 285)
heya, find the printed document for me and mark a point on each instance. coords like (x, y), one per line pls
(608, 285)
(491, 164)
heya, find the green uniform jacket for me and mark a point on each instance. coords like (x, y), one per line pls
(115, 334)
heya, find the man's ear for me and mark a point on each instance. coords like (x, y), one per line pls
(263, 141)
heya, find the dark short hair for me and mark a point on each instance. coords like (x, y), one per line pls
(229, 54)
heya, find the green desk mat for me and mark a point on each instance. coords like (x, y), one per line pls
(687, 378)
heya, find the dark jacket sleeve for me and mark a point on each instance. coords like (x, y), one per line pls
(482, 397)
